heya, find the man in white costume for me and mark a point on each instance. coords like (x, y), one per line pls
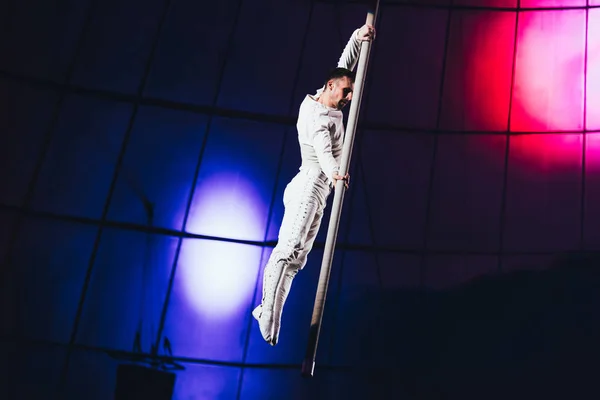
(320, 135)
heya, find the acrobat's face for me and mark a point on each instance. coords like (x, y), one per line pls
(340, 92)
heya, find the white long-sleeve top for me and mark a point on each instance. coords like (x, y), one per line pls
(321, 128)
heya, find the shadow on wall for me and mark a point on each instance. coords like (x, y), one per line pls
(519, 335)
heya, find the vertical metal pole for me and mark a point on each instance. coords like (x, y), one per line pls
(308, 365)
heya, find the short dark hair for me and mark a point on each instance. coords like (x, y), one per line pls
(338, 73)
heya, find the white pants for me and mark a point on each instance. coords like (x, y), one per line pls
(304, 200)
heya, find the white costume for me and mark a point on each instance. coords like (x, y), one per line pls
(320, 135)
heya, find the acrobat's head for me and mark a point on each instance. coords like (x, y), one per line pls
(338, 88)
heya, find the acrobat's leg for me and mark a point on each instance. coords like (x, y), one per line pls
(282, 267)
(290, 272)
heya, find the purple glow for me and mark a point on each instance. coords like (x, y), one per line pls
(218, 277)
(229, 206)
(206, 381)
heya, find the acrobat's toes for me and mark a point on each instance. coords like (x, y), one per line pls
(257, 312)
(265, 324)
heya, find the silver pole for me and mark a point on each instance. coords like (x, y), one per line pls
(308, 365)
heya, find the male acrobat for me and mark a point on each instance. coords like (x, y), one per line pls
(320, 135)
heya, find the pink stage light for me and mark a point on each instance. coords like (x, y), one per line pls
(549, 81)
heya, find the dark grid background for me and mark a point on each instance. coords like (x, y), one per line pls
(103, 99)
